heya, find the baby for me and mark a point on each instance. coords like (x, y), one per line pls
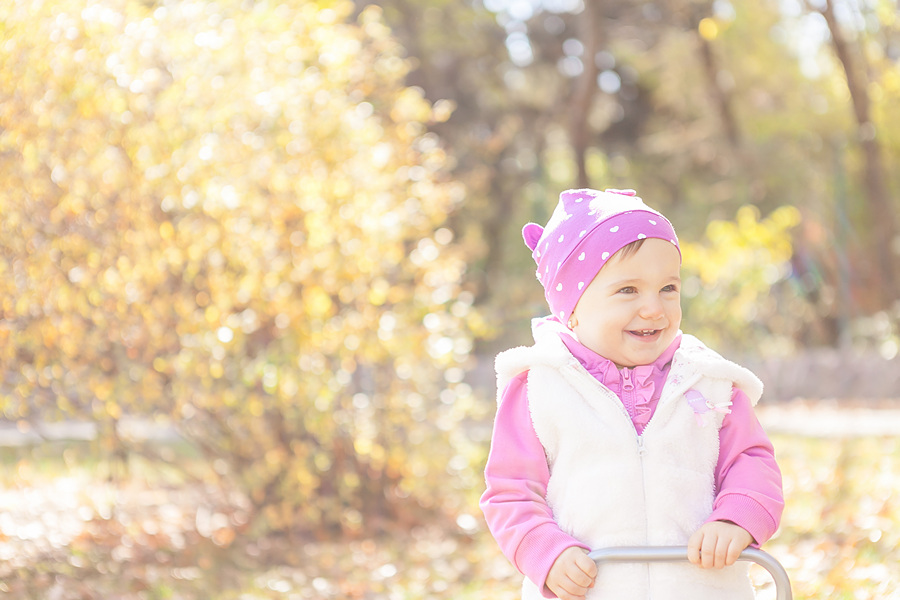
(617, 429)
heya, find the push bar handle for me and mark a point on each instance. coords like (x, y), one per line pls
(680, 553)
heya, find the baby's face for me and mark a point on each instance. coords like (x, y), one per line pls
(631, 311)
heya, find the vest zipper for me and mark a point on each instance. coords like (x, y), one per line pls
(639, 438)
(642, 451)
(628, 396)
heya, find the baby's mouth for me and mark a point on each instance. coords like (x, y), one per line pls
(644, 332)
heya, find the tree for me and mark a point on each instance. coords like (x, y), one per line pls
(230, 217)
(458, 58)
(882, 220)
(703, 106)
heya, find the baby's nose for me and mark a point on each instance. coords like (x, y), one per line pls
(652, 307)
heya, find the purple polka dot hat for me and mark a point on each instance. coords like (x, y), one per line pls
(586, 229)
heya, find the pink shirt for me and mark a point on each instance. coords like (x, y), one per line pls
(748, 480)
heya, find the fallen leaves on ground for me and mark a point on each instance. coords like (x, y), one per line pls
(77, 538)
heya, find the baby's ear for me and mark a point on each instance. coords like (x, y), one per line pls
(532, 233)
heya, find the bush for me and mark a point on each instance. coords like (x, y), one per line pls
(228, 217)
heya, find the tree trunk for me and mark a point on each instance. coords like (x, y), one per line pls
(585, 89)
(881, 214)
(721, 98)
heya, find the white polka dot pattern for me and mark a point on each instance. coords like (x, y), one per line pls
(586, 229)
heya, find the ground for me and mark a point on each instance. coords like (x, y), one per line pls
(71, 534)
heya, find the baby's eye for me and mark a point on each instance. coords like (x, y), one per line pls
(670, 288)
(628, 290)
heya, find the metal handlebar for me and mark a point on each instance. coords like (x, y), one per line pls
(679, 553)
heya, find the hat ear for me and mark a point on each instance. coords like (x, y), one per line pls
(621, 192)
(532, 234)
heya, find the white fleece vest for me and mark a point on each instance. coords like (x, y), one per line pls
(610, 487)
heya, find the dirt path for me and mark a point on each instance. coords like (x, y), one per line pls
(831, 419)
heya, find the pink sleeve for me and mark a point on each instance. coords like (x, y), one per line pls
(748, 480)
(514, 503)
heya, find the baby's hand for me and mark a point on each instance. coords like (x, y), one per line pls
(572, 575)
(718, 544)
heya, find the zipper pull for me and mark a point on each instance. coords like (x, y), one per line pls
(641, 449)
(627, 384)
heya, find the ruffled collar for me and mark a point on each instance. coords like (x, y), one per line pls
(638, 387)
(604, 369)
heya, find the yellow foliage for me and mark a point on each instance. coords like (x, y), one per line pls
(214, 206)
(708, 28)
(736, 268)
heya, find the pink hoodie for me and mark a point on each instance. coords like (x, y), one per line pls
(748, 480)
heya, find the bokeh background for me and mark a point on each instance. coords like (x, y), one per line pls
(256, 258)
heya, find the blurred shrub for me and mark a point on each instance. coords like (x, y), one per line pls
(228, 216)
(733, 282)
